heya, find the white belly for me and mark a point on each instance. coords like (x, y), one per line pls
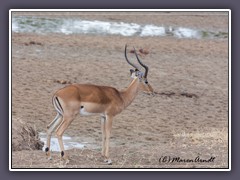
(85, 113)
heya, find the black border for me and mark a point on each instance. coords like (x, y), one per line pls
(5, 5)
(133, 169)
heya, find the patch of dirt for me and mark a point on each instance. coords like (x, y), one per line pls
(183, 94)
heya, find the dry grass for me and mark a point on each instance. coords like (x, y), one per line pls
(25, 137)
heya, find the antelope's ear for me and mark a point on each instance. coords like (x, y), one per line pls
(131, 71)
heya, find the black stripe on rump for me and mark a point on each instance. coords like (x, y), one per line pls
(59, 104)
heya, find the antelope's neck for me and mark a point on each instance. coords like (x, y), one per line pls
(130, 93)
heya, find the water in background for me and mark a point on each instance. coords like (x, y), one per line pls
(43, 25)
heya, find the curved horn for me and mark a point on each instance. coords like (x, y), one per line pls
(143, 65)
(127, 58)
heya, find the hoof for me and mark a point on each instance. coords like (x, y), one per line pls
(66, 161)
(48, 155)
(108, 161)
(63, 156)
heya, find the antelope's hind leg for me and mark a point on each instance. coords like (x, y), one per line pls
(59, 132)
(50, 129)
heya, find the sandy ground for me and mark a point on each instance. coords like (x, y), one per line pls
(187, 118)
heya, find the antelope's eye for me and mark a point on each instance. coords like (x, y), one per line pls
(146, 82)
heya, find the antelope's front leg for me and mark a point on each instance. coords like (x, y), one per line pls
(103, 122)
(108, 128)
